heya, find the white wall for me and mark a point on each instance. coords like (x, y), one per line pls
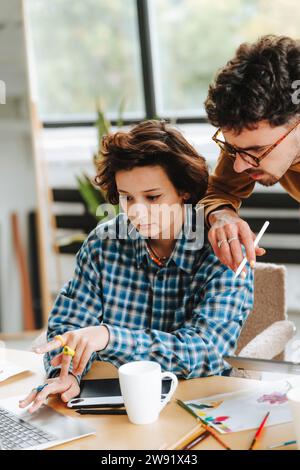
(17, 181)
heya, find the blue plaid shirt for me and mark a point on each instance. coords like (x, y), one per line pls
(186, 315)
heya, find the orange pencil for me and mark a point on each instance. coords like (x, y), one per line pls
(214, 434)
(204, 424)
(259, 431)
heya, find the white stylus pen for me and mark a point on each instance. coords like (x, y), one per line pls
(256, 241)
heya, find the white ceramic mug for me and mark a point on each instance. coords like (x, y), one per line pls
(141, 387)
(294, 403)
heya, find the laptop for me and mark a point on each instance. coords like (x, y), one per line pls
(263, 365)
(21, 430)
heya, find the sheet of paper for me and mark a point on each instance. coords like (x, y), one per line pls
(8, 369)
(243, 410)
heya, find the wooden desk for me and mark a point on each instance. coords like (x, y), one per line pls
(116, 432)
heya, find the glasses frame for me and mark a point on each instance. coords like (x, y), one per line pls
(233, 151)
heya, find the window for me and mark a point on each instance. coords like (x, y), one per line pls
(192, 39)
(84, 51)
(157, 55)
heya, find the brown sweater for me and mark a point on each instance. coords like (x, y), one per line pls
(226, 187)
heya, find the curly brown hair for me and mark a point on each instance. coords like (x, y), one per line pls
(152, 143)
(256, 85)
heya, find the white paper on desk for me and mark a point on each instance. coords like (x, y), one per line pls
(243, 410)
(8, 369)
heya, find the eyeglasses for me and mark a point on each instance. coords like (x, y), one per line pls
(253, 160)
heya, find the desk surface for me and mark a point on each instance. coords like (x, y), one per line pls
(116, 432)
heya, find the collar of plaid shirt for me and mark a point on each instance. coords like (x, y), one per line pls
(184, 251)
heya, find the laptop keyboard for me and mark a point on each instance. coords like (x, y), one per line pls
(15, 433)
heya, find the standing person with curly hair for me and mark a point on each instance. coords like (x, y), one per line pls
(255, 103)
(141, 290)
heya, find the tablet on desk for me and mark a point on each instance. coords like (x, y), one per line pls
(104, 392)
(263, 365)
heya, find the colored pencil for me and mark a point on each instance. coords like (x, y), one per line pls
(206, 426)
(282, 444)
(196, 440)
(258, 432)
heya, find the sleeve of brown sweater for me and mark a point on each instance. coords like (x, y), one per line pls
(226, 187)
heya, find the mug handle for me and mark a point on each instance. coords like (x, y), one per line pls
(172, 388)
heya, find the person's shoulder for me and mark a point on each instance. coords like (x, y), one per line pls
(208, 266)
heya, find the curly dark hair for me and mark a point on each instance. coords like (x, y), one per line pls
(256, 85)
(152, 143)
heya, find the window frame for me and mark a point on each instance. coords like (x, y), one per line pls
(148, 82)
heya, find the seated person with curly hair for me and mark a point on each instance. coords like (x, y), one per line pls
(143, 288)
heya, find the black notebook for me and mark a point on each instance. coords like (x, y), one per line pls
(104, 392)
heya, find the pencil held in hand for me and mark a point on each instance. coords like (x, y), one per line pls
(256, 241)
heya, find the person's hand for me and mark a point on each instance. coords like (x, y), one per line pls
(84, 342)
(67, 387)
(226, 225)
